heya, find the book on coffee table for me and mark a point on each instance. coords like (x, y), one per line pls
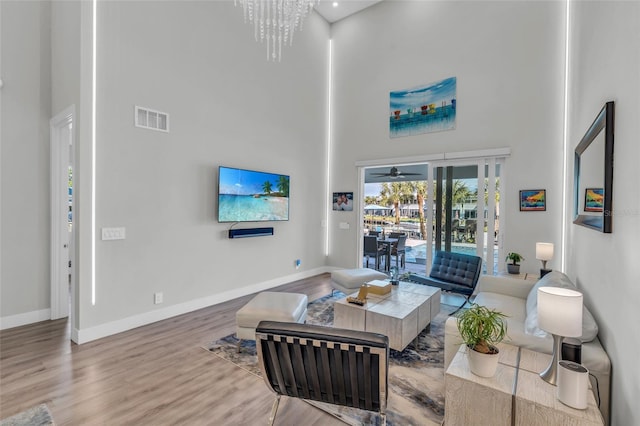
(379, 287)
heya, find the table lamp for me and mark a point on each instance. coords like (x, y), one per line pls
(559, 313)
(544, 252)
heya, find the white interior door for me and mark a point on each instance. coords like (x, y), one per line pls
(62, 136)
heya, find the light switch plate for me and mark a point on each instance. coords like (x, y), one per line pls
(113, 234)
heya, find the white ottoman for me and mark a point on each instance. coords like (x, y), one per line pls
(270, 306)
(349, 280)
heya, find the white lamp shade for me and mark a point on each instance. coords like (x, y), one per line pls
(544, 251)
(560, 311)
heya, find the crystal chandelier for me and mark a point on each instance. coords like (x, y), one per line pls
(276, 20)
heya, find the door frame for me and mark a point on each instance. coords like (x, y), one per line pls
(61, 156)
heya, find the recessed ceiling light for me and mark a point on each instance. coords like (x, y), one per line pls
(335, 4)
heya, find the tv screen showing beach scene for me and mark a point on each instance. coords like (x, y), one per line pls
(252, 196)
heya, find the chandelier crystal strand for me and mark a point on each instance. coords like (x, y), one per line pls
(300, 14)
(280, 25)
(274, 15)
(261, 20)
(287, 13)
(276, 18)
(254, 6)
(268, 29)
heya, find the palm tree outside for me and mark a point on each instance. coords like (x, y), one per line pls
(395, 193)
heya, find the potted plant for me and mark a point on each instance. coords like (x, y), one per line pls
(481, 329)
(514, 267)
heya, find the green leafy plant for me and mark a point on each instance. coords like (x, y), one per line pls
(405, 276)
(514, 258)
(482, 328)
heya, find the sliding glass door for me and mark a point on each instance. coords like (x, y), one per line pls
(463, 210)
(445, 204)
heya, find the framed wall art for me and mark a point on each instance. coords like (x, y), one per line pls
(343, 201)
(593, 199)
(533, 200)
(423, 109)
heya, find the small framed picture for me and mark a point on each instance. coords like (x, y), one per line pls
(343, 201)
(593, 199)
(533, 200)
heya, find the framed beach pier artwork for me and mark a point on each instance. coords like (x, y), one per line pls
(423, 109)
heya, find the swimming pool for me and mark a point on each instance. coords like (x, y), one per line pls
(418, 253)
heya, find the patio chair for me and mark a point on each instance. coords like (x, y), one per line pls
(398, 249)
(331, 365)
(372, 248)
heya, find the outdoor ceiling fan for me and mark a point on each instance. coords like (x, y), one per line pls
(395, 173)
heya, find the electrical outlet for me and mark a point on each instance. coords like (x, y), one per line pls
(298, 262)
(157, 298)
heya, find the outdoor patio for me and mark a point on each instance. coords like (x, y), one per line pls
(415, 256)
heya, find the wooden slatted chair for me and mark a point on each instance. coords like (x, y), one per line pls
(331, 365)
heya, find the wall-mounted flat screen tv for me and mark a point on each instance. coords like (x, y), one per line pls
(252, 196)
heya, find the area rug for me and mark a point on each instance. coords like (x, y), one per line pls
(36, 416)
(416, 375)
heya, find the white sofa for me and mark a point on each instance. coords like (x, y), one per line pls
(517, 299)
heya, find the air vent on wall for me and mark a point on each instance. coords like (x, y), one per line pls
(150, 119)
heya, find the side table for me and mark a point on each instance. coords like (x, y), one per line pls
(536, 400)
(528, 276)
(516, 395)
(475, 400)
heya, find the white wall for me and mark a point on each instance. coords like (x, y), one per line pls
(605, 66)
(65, 55)
(198, 62)
(508, 58)
(26, 102)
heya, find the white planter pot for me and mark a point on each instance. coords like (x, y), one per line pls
(483, 365)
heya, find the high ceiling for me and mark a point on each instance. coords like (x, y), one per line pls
(333, 14)
(344, 8)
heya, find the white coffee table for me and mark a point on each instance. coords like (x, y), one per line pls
(401, 314)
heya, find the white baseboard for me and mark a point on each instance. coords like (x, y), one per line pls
(103, 330)
(24, 318)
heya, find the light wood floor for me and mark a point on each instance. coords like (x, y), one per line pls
(159, 374)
